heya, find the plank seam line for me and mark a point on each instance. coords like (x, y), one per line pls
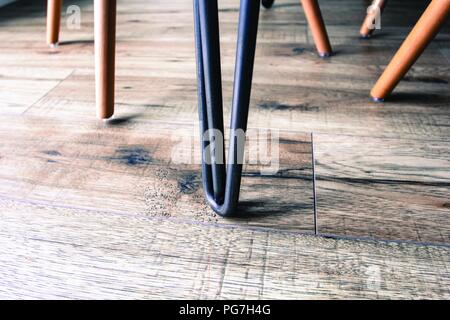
(48, 92)
(224, 226)
(313, 163)
(290, 131)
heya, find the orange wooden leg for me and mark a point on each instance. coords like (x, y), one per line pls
(373, 12)
(318, 29)
(105, 56)
(414, 45)
(54, 8)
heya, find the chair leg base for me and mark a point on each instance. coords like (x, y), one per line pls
(325, 54)
(378, 100)
(106, 120)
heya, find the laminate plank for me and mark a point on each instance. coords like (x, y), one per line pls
(409, 133)
(393, 189)
(299, 108)
(56, 252)
(149, 168)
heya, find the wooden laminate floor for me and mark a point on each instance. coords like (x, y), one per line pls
(113, 209)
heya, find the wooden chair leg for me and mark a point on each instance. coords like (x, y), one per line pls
(105, 54)
(317, 25)
(376, 9)
(54, 8)
(414, 45)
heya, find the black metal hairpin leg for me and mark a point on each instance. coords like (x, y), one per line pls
(222, 182)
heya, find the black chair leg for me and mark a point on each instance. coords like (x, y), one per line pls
(222, 181)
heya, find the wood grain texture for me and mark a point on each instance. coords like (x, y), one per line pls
(395, 189)
(102, 166)
(66, 253)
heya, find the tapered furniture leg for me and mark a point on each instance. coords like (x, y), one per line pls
(222, 186)
(317, 25)
(54, 8)
(105, 56)
(373, 14)
(414, 45)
